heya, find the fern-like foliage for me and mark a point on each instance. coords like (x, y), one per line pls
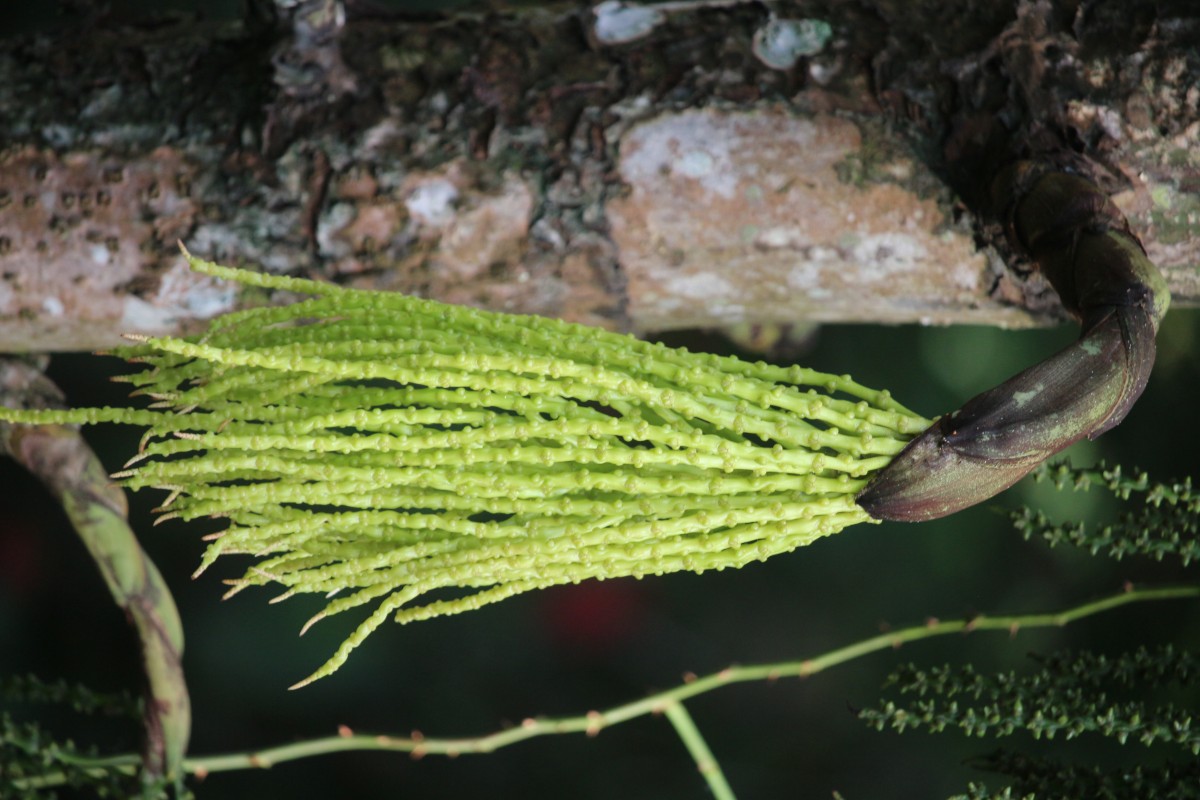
(1045, 778)
(1072, 694)
(1164, 523)
(29, 751)
(79, 698)
(1069, 695)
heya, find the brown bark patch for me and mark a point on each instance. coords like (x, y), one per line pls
(89, 240)
(765, 217)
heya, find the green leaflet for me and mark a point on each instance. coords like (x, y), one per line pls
(390, 448)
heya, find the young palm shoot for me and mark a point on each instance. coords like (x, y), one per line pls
(430, 459)
(424, 459)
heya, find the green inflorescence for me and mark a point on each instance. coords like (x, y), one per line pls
(1069, 694)
(1145, 695)
(29, 750)
(1034, 778)
(432, 458)
(1165, 523)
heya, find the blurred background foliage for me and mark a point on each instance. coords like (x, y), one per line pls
(567, 650)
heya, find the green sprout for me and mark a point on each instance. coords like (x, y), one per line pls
(429, 459)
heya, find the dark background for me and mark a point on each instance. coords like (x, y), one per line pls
(571, 649)
(567, 650)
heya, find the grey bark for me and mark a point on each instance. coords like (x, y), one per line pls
(533, 161)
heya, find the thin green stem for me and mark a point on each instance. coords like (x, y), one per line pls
(593, 722)
(693, 740)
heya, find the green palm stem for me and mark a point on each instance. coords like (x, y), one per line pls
(96, 507)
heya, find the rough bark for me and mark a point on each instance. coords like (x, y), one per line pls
(527, 161)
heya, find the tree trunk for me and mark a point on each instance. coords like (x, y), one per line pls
(637, 168)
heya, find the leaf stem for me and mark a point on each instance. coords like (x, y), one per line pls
(693, 740)
(592, 722)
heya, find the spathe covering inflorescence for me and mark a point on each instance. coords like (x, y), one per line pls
(431, 459)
